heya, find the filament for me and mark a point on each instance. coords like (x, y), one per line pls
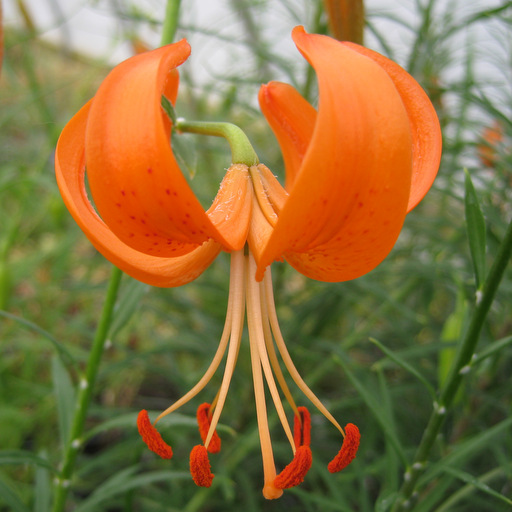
(237, 319)
(256, 333)
(286, 356)
(273, 356)
(219, 354)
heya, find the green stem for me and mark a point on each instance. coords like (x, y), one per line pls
(86, 387)
(242, 151)
(461, 366)
(170, 24)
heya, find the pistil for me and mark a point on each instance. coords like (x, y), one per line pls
(269, 469)
(247, 293)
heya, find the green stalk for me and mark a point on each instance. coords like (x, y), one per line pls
(170, 24)
(86, 387)
(242, 151)
(460, 368)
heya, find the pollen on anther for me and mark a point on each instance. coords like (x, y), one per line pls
(203, 421)
(302, 427)
(294, 473)
(152, 437)
(200, 466)
(348, 449)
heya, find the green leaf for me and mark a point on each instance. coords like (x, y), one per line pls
(381, 414)
(10, 498)
(475, 225)
(65, 398)
(128, 304)
(468, 489)
(61, 349)
(168, 108)
(405, 365)
(477, 483)
(466, 449)
(130, 421)
(23, 457)
(125, 481)
(185, 152)
(43, 490)
(450, 336)
(494, 347)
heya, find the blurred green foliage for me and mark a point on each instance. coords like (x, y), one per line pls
(415, 306)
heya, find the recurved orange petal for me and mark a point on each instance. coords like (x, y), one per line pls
(349, 200)
(136, 183)
(156, 271)
(292, 120)
(425, 129)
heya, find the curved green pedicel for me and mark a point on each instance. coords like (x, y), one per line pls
(242, 151)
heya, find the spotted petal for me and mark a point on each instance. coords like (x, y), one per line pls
(425, 128)
(349, 199)
(153, 270)
(137, 185)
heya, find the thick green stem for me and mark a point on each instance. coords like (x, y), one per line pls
(170, 24)
(242, 151)
(460, 368)
(86, 387)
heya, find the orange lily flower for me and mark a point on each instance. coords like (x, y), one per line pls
(354, 168)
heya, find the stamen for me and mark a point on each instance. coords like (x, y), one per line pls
(203, 420)
(285, 355)
(152, 437)
(237, 277)
(233, 305)
(219, 354)
(294, 473)
(348, 449)
(200, 466)
(271, 351)
(254, 291)
(302, 427)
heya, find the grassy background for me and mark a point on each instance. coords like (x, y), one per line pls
(417, 304)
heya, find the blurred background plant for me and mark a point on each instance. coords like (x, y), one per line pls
(377, 350)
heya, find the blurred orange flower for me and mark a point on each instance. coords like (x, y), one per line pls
(492, 136)
(354, 168)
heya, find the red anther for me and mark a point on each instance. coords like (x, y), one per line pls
(302, 428)
(348, 449)
(204, 420)
(152, 437)
(200, 466)
(294, 473)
